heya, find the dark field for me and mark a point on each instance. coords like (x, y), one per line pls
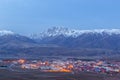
(37, 75)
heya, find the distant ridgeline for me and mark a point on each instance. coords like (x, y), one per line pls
(59, 41)
(98, 38)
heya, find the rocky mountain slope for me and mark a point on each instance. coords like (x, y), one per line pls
(98, 38)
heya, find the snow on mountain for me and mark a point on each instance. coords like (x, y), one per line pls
(6, 32)
(57, 31)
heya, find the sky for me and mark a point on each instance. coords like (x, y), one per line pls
(34, 16)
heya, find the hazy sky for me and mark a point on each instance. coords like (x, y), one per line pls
(33, 16)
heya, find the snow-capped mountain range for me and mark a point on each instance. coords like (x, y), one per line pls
(57, 31)
(97, 38)
(62, 41)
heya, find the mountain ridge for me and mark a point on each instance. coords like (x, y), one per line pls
(99, 38)
(89, 43)
(57, 31)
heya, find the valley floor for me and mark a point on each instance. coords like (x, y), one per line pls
(37, 75)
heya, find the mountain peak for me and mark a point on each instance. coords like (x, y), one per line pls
(6, 32)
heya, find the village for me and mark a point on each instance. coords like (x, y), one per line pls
(56, 65)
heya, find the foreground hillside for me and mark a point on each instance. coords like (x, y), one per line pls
(37, 52)
(36, 75)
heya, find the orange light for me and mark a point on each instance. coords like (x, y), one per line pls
(21, 61)
(70, 66)
(62, 70)
(99, 63)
